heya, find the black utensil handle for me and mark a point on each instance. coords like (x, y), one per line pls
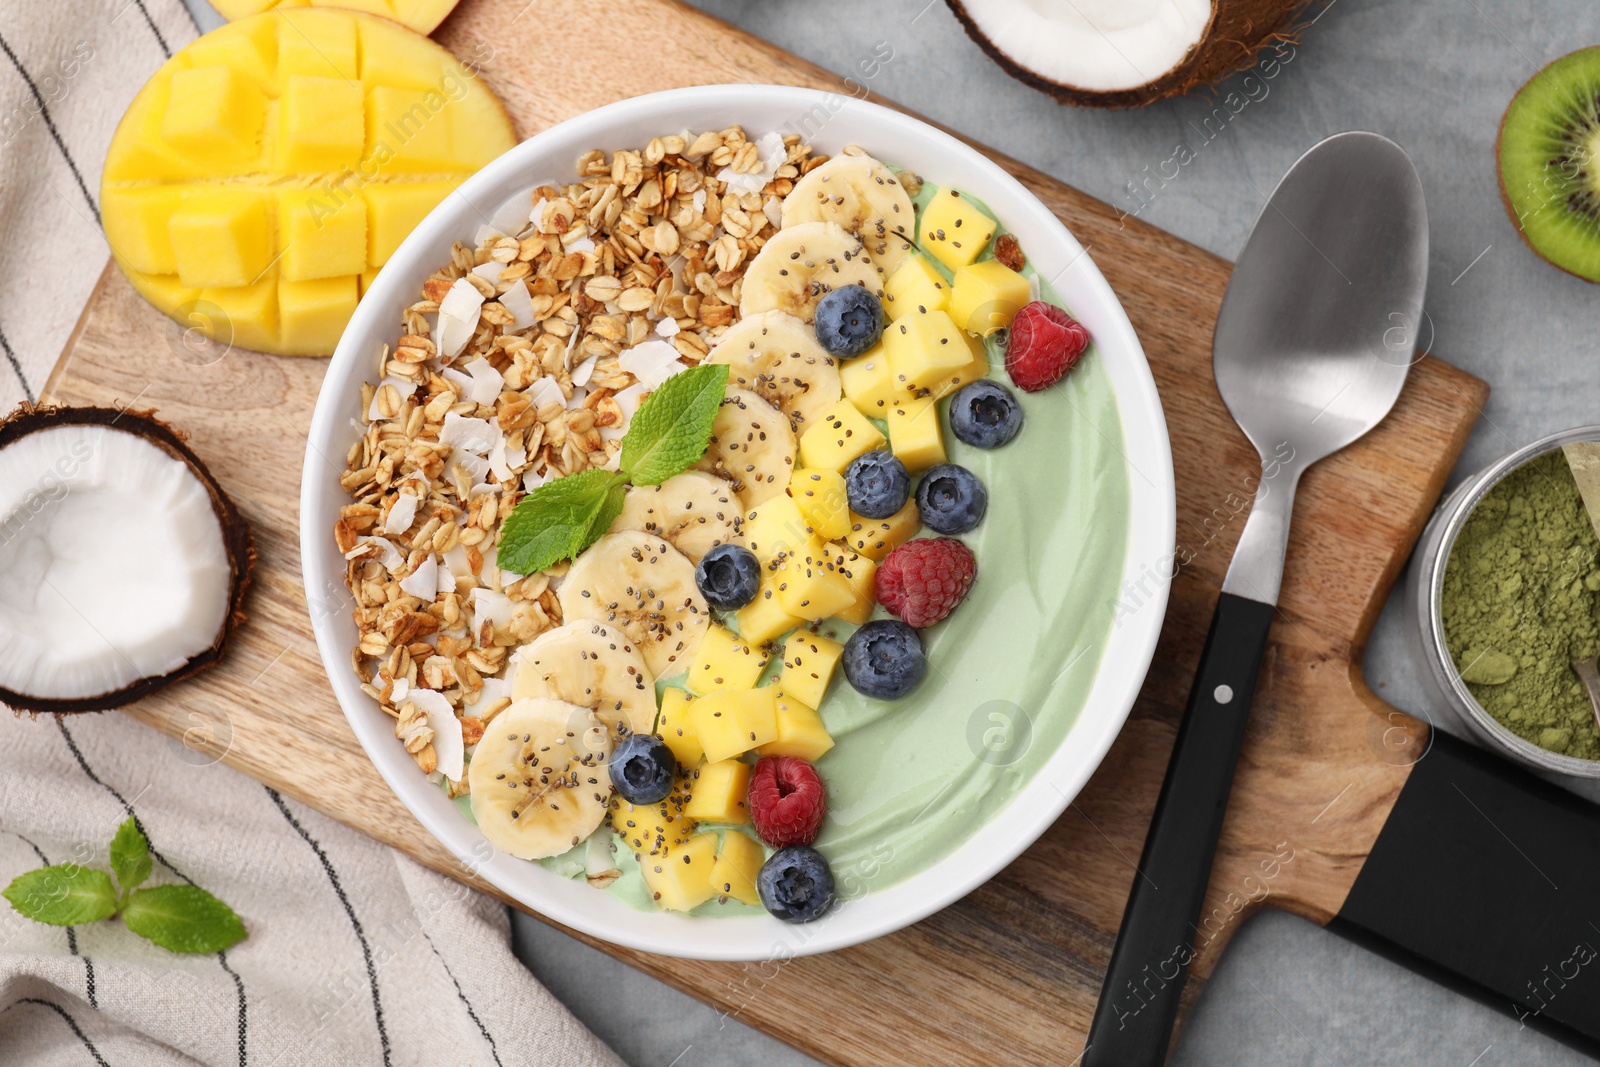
(1487, 873)
(1139, 1001)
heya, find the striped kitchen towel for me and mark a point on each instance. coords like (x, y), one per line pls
(355, 954)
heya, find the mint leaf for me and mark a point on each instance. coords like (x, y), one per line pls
(182, 918)
(130, 856)
(672, 427)
(63, 895)
(559, 519)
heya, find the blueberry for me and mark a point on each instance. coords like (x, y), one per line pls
(877, 484)
(884, 659)
(849, 320)
(795, 884)
(951, 499)
(642, 769)
(985, 414)
(728, 577)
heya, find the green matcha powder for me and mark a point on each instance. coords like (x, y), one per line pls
(1522, 599)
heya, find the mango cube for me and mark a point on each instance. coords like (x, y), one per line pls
(876, 538)
(393, 211)
(220, 237)
(800, 731)
(986, 296)
(955, 379)
(320, 238)
(214, 113)
(739, 860)
(954, 229)
(312, 315)
(773, 528)
(725, 661)
(861, 573)
(868, 382)
(718, 793)
(925, 349)
(323, 47)
(763, 619)
(321, 124)
(808, 664)
(731, 722)
(675, 728)
(243, 315)
(811, 588)
(840, 435)
(915, 434)
(820, 496)
(410, 130)
(682, 881)
(659, 829)
(136, 226)
(916, 283)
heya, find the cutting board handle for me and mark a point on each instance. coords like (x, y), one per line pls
(1139, 1001)
(1486, 872)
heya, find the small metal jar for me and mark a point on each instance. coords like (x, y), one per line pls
(1425, 621)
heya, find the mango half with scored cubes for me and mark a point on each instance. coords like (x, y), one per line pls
(420, 15)
(267, 170)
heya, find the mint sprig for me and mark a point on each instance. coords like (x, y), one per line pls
(181, 918)
(668, 434)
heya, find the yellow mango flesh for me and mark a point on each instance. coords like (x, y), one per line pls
(822, 500)
(916, 283)
(868, 382)
(861, 573)
(774, 528)
(916, 436)
(810, 587)
(682, 881)
(876, 538)
(953, 229)
(987, 296)
(739, 860)
(718, 793)
(925, 349)
(675, 728)
(731, 723)
(808, 663)
(420, 15)
(269, 168)
(763, 619)
(839, 436)
(724, 660)
(800, 731)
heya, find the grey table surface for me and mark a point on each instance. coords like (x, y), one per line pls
(1434, 75)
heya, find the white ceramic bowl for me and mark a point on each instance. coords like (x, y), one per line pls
(905, 142)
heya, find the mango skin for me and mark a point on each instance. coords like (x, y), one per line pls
(267, 170)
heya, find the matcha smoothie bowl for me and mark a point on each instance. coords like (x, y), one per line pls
(1504, 595)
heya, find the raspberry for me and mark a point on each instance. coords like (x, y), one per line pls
(787, 801)
(924, 579)
(1044, 343)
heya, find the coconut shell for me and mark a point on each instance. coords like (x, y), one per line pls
(1238, 31)
(236, 540)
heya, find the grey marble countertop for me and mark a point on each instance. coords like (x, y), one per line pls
(1434, 75)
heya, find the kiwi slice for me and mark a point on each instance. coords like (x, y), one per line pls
(1549, 153)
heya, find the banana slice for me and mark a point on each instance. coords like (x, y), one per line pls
(777, 357)
(592, 665)
(639, 584)
(695, 512)
(539, 779)
(752, 446)
(863, 196)
(800, 264)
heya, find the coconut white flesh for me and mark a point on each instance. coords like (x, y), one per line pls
(1100, 45)
(112, 566)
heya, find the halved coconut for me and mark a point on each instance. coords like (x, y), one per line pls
(122, 562)
(1124, 53)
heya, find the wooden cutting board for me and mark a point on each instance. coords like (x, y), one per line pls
(1024, 955)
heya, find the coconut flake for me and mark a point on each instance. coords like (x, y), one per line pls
(512, 216)
(493, 690)
(423, 583)
(402, 386)
(773, 209)
(667, 327)
(490, 271)
(492, 607)
(546, 391)
(487, 383)
(536, 214)
(486, 232)
(772, 152)
(699, 199)
(579, 244)
(584, 371)
(532, 479)
(628, 401)
(391, 557)
(477, 436)
(401, 514)
(519, 302)
(458, 317)
(448, 745)
(505, 461)
(652, 362)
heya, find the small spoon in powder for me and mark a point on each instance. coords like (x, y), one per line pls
(1588, 672)
(1583, 458)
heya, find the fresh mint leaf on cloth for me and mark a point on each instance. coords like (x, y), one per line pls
(130, 856)
(182, 918)
(560, 519)
(63, 895)
(672, 427)
(669, 432)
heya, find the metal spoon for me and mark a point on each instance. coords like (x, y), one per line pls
(1313, 341)
(1588, 671)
